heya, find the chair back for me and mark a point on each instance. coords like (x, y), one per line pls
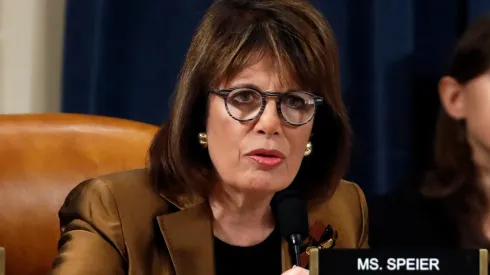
(43, 157)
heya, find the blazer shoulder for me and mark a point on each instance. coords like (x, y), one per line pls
(103, 219)
(131, 191)
(350, 199)
(346, 210)
(351, 192)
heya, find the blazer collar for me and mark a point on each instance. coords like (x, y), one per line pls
(188, 234)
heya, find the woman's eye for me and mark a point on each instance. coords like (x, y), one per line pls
(294, 102)
(245, 97)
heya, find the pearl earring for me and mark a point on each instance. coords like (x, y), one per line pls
(309, 148)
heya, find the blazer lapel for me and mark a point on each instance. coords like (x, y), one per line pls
(188, 235)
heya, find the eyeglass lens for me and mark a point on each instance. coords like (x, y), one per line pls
(245, 104)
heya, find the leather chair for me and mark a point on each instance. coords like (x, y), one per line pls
(42, 157)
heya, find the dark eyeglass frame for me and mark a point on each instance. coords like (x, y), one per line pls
(224, 93)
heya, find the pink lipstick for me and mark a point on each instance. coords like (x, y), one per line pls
(266, 158)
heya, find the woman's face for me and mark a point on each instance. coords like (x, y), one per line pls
(471, 102)
(477, 114)
(262, 155)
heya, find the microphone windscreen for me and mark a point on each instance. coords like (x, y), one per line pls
(291, 213)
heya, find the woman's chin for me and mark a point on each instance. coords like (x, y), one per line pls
(263, 185)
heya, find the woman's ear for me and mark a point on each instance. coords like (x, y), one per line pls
(452, 97)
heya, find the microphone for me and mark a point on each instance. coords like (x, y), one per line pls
(292, 217)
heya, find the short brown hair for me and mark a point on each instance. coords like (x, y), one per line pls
(235, 34)
(454, 178)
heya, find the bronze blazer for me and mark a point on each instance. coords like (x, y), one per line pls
(118, 224)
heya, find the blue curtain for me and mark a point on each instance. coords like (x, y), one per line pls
(122, 58)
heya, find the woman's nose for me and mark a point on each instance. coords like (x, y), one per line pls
(269, 122)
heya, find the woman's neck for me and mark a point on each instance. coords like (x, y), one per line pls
(483, 178)
(241, 218)
(477, 224)
(481, 159)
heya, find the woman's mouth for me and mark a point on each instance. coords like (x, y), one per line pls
(266, 158)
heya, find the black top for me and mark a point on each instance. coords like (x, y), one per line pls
(410, 220)
(263, 258)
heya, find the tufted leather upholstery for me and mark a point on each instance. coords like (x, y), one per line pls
(42, 157)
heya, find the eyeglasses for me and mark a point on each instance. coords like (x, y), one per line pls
(246, 104)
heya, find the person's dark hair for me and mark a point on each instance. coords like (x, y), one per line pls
(454, 175)
(235, 34)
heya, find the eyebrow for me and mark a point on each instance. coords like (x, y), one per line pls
(255, 87)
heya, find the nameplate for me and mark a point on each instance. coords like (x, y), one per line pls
(384, 262)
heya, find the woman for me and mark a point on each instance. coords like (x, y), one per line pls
(257, 106)
(451, 208)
